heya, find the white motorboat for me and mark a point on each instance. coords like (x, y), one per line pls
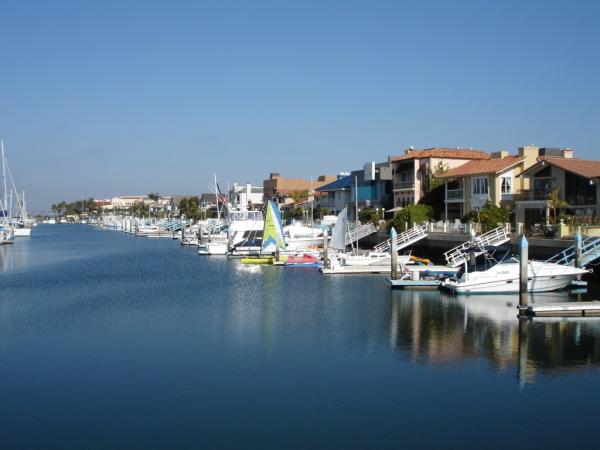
(501, 275)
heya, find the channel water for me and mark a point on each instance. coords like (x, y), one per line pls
(113, 341)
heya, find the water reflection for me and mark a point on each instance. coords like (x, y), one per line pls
(429, 328)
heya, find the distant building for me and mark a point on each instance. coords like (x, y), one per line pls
(125, 202)
(412, 171)
(280, 189)
(246, 197)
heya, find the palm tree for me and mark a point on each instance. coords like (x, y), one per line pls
(555, 202)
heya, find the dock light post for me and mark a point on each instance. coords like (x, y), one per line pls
(524, 275)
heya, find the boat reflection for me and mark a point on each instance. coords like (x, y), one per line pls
(433, 328)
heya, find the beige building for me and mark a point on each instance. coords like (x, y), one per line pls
(280, 189)
(496, 180)
(576, 180)
(411, 171)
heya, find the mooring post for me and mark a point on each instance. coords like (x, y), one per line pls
(325, 250)
(182, 232)
(394, 254)
(524, 269)
(200, 238)
(578, 248)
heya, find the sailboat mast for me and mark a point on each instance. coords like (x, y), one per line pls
(4, 174)
(312, 214)
(217, 197)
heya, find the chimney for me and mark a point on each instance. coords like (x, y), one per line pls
(567, 153)
(501, 154)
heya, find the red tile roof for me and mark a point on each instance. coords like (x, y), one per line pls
(480, 167)
(441, 152)
(582, 167)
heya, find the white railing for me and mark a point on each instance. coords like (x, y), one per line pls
(457, 255)
(404, 239)
(455, 194)
(360, 232)
(590, 251)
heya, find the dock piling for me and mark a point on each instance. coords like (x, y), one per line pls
(394, 254)
(578, 249)
(524, 263)
(325, 251)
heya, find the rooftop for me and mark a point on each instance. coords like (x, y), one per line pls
(582, 167)
(342, 183)
(477, 167)
(442, 152)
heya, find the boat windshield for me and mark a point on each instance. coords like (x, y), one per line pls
(238, 216)
(484, 258)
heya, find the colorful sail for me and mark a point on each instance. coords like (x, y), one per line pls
(338, 235)
(273, 232)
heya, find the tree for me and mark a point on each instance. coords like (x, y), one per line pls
(555, 202)
(369, 214)
(490, 216)
(154, 196)
(300, 196)
(411, 214)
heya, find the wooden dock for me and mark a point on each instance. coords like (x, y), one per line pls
(571, 309)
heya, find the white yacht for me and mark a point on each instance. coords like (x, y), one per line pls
(497, 273)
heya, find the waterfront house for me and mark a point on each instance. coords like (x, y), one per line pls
(281, 190)
(246, 197)
(336, 195)
(576, 181)
(413, 171)
(477, 182)
(372, 187)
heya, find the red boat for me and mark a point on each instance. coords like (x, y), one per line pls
(303, 260)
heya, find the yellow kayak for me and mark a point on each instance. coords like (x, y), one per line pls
(258, 260)
(262, 259)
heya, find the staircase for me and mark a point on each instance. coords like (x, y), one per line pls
(359, 232)
(404, 239)
(457, 256)
(590, 252)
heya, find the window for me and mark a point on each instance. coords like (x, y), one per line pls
(506, 184)
(480, 186)
(579, 190)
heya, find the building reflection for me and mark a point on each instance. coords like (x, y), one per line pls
(432, 328)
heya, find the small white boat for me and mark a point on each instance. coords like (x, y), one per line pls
(501, 275)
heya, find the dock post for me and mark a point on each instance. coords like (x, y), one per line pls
(200, 238)
(524, 269)
(325, 251)
(394, 254)
(578, 248)
(182, 232)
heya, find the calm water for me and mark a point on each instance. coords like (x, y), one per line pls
(112, 341)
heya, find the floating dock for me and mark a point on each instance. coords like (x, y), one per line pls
(414, 284)
(385, 269)
(572, 309)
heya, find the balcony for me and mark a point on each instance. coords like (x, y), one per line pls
(531, 195)
(404, 185)
(455, 194)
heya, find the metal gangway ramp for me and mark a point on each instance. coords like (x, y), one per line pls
(359, 232)
(457, 255)
(590, 251)
(404, 239)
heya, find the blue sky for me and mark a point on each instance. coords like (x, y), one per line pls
(105, 98)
